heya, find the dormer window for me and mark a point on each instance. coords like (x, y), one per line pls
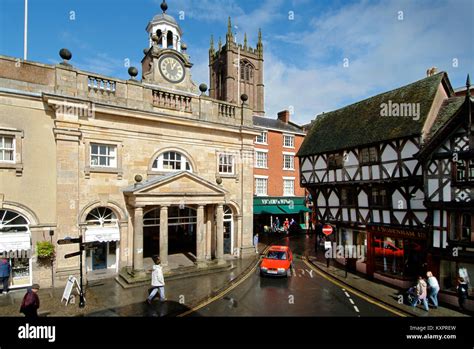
(172, 161)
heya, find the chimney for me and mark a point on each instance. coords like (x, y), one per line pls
(284, 116)
(431, 71)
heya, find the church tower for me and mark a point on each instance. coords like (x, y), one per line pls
(166, 62)
(229, 79)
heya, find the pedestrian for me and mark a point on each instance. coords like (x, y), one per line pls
(31, 302)
(157, 281)
(421, 293)
(462, 292)
(433, 288)
(277, 224)
(286, 225)
(5, 270)
(255, 242)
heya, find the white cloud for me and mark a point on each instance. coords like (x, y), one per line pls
(383, 53)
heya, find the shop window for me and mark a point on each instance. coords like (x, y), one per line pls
(450, 271)
(399, 257)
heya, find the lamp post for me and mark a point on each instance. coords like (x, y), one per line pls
(82, 302)
(51, 233)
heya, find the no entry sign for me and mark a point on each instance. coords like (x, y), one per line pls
(327, 230)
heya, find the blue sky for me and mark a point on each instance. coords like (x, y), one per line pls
(387, 43)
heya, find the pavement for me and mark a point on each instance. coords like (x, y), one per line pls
(106, 297)
(385, 294)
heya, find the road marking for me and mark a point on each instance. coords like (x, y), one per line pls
(356, 309)
(347, 294)
(350, 300)
(353, 291)
(224, 292)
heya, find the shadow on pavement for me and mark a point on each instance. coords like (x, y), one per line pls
(143, 309)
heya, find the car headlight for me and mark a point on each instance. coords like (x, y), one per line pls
(263, 268)
(281, 269)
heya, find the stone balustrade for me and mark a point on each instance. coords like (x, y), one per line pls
(226, 110)
(172, 101)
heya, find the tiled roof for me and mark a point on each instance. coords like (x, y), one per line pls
(361, 123)
(276, 124)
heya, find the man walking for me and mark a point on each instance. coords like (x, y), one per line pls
(433, 288)
(157, 282)
(5, 270)
(255, 242)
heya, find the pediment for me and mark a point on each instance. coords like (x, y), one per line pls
(182, 183)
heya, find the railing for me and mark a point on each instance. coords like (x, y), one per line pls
(172, 101)
(100, 84)
(226, 110)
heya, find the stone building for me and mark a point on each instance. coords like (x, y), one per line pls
(136, 167)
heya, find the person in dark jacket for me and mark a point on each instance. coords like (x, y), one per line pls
(31, 302)
(462, 292)
(5, 270)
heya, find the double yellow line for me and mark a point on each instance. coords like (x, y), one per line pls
(351, 290)
(225, 291)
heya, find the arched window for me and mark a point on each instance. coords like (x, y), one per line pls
(172, 161)
(159, 34)
(169, 39)
(102, 216)
(12, 222)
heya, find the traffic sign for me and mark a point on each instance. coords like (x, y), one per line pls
(327, 230)
(74, 254)
(67, 241)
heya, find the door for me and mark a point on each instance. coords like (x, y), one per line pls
(99, 257)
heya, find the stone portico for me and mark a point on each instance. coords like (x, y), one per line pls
(181, 189)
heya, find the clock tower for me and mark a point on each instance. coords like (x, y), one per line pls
(236, 69)
(166, 62)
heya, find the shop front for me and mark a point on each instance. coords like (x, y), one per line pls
(15, 246)
(102, 234)
(396, 255)
(270, 213)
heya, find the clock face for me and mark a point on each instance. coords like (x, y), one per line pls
(171, 69)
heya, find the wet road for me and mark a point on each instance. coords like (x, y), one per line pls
(305, 293)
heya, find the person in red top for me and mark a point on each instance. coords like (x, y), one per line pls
(31, 302)
(286, 225)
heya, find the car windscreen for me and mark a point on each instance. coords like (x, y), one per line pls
(276, 255)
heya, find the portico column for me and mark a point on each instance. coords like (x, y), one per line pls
(164, 236)
(200, 238)
(138, 242)
(220, 234)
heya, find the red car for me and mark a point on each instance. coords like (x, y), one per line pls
(277, 261)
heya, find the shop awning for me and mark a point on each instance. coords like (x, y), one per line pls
(280, 209)
(102, 234)
(294, 209)
(15, 242)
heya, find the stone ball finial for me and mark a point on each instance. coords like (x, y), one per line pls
(138, 178)
(244, 98)
(133, 72)
(203, 88)
(65, 54)
(164, 6)
(218, 180)
(184, 47)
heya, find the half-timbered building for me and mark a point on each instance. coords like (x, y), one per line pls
(448, 158)
(359, 163)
